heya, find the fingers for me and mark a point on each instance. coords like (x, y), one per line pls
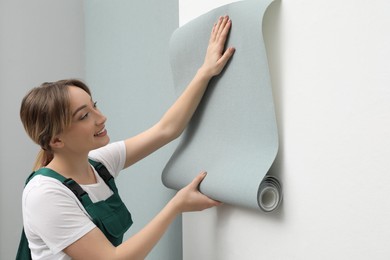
(226, 55)
(206, 201)
(216, 55)
(191, 199)
(198, 179)
(221, 29)
(212, 203)
(196, 182)
(219, 38)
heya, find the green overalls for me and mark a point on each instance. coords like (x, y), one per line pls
(110, 216)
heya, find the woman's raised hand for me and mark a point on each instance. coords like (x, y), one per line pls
(217, 56)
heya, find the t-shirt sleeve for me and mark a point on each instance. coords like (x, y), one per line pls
(113, 156)
(54, 202)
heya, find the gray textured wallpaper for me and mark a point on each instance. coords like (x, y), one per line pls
(233, 135)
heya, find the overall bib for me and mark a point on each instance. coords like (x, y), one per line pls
(110, 216)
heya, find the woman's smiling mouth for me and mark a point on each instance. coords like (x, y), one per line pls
(102, 132)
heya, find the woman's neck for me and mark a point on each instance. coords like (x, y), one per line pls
(75, 167)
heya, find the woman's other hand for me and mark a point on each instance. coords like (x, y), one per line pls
(190, 198)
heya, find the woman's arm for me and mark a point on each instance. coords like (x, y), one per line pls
(94, 245)
(178, 115)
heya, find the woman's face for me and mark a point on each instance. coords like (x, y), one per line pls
(87, 130)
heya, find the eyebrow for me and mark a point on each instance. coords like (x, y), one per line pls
(78, 109)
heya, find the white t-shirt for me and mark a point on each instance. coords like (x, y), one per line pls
(53, 217)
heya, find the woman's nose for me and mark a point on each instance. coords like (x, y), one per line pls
(100, 118)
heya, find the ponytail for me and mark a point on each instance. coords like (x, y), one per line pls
(43, 159)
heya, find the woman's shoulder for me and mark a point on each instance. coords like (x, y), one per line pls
(45, 189)
(110, 149)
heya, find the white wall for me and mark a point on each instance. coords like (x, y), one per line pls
(330, 68)
(41, 40)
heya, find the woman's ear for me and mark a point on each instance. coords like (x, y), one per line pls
(56, 143)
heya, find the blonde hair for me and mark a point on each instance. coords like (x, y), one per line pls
(45, 112)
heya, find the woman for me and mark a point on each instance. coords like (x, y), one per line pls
(63, 119)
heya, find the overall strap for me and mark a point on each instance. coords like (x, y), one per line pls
(81, 195)
(105, 174)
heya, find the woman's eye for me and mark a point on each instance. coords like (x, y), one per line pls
(95, 104)
(84, 116)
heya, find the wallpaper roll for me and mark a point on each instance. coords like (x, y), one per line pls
(233, 134)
